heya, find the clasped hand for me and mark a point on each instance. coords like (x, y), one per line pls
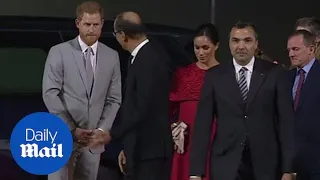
(90, 138)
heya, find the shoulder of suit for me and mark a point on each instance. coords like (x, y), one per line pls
(265, 62)
(150, 50)
(69, 43)
(269, 65)
(149, 47)
(106, 48)
(273, 68)
(61, 45)
(220, 68)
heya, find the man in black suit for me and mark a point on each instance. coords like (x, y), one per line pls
(252, 105)
(305, 84)
(144, 127)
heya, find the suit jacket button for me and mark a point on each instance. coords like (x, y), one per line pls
(246, 117)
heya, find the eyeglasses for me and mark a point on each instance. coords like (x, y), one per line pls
(115, 33)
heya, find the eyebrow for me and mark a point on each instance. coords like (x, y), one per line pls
(242, 38)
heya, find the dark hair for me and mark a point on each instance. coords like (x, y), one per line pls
(310, 23)
(90, 7)
(242, 25)
(308, 38)
(131, 29)
(209, 30)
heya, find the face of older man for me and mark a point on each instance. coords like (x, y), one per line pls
(300, 54)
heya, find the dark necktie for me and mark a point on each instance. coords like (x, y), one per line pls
(89, 68)
(301, 73)
(243, 85)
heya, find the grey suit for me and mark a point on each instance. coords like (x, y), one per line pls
(65, 94)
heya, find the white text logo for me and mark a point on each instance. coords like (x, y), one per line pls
(32, 150)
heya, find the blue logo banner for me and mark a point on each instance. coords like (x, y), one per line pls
(41, 143)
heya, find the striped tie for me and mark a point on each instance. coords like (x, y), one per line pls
(243, 83)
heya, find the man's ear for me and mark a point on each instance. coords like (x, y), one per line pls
(102, 22)
(77, 22)
(123, 36)
(312, 49)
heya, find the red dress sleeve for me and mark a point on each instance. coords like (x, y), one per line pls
(186, 86)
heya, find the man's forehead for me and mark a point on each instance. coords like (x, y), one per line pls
(296, 39)
(91, 16)
(242, 33)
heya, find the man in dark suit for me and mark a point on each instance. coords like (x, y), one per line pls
(144, 127)
(306, 100)
(252, 105)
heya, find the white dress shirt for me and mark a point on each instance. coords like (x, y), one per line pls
(249, 66)
(94, 48)
(136, 50)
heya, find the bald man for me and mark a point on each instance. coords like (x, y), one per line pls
(145, 127)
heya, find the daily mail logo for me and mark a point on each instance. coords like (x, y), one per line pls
(41, 143)
(33, 150)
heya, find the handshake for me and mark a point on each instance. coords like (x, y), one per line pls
(91, 138)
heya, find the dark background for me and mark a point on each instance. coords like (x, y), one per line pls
(183, 13)
(273, 18)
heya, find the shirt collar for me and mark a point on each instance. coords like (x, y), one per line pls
(307, 67)
(84, 46)
(249, 66)
(136, 50)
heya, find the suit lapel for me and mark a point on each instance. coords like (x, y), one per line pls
(307, 87)
(257, 79)
(291, 78)
(129, 70)
(78, 58)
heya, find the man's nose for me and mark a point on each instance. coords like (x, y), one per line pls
(91, 28)
(241, 45)
(291, 53)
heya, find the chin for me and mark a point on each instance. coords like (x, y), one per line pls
(203, 61)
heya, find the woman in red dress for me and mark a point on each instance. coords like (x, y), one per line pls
(184, 97)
